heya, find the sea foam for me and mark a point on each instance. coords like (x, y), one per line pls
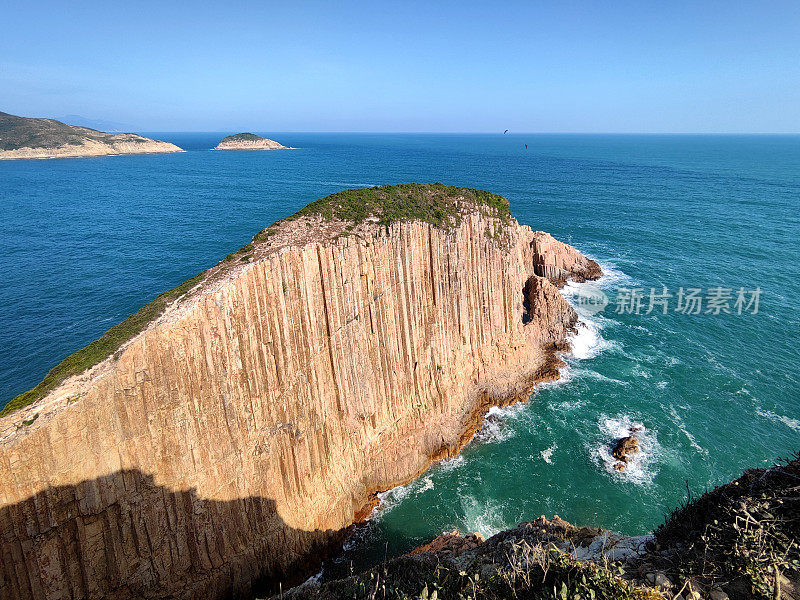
(640, 466)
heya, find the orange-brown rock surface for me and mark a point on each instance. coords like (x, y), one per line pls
(623, 450)
(255, 419)
(559, 262)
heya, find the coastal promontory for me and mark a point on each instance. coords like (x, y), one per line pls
(23, 137)
(229, 432)
(248, 141)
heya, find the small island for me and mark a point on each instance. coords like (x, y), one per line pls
(23, 137)
(249, 141)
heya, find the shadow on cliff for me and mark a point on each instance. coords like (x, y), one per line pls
(122, 536)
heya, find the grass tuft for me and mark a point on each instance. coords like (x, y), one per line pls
(102, 348)
(434, 203)
(742, 534)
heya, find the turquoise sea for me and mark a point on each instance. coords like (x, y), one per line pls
(85, 242)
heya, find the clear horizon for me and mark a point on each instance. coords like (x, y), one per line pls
(534, 68)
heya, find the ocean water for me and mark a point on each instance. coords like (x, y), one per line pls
(85, 242)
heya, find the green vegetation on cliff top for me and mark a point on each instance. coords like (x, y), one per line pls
(434, 203)
(23, 132)
(101, 348)
(242, 137)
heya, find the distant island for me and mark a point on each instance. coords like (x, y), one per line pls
(23, 137)
(249, 141)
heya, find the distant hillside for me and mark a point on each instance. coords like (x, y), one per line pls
(248, 141)
(22, 137)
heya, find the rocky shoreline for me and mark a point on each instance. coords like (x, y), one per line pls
(738, 541)
(89, 148)
(30, 138)
(249, 141)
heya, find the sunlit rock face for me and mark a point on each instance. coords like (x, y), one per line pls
(234, 439)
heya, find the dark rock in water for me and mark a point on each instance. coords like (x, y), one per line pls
(623, 450)
(625, 447)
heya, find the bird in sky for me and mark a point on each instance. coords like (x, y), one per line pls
(506, 131)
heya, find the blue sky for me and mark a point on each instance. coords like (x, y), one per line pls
(407, 66)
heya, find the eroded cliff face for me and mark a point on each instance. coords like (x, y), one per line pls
(250, 424)
(559, 262)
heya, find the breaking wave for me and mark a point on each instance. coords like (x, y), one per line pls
(640, 466)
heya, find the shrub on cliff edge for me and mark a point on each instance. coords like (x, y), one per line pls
(434, 203)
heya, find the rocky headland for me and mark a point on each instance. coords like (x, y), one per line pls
(248, 141)
(230, 432)
(23, 137)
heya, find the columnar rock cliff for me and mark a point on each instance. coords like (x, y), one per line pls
(254, 420)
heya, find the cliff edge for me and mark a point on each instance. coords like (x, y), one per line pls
(248, 141)
(22, 137)
(738, 541)
(231, 430)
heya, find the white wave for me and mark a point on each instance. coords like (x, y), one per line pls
(390, 498)
(449, 465)
(482, 516)
(678, 420)
(639, 469)
(772, 416)
(494, 428)
(589, 374)
(548, 454)
(586, 342)
(612, 276)
(662, 384)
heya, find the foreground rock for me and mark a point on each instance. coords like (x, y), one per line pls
(738, 541)
(541, 559)
(22, 137)
(248, 141)
(241, 422)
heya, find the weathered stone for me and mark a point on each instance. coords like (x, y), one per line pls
(662, 582)
(625, 448)
(559, 266)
